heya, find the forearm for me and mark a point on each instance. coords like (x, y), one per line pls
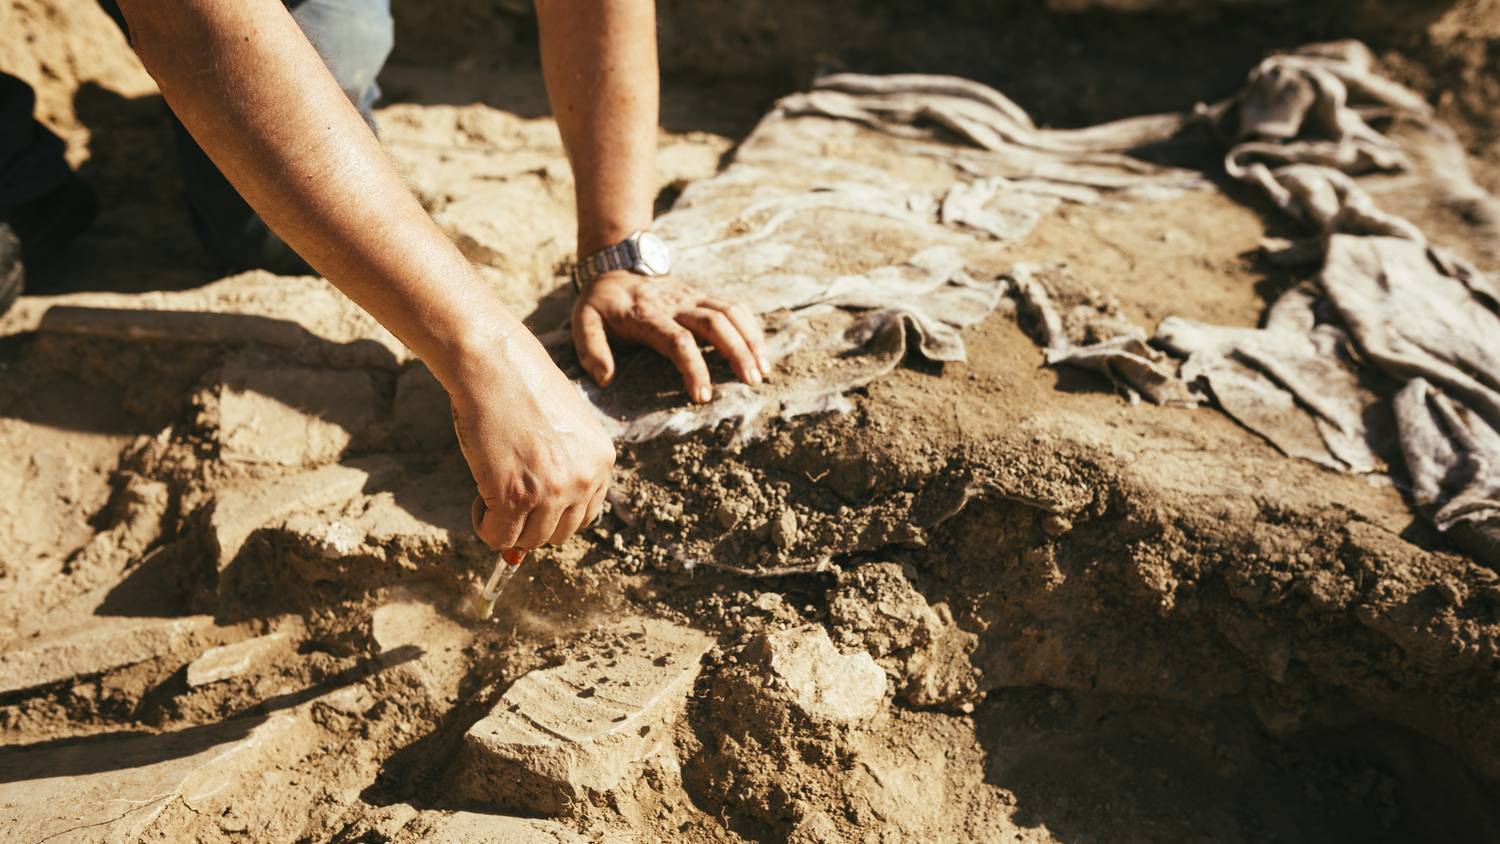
(258, 99)
(599, 60)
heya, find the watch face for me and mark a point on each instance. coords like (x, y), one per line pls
(654, 254)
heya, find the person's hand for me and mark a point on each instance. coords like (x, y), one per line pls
(539, 456)
(670, 317)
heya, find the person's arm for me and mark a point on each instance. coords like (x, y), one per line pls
(254, 94)
(599, 60)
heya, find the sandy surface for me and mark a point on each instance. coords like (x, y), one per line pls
(993, 603)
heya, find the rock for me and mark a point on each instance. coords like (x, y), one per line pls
(102, 644)
(232, 660)
(238, 512)
(731, 512)
(877, 608)
(108, 788)
(784, 530)
(307, 317)
(799, 741)
(769, 602)
(292, 416)
(585, 727)
(417, 523)
(467, 827)
(403, 621)
(814, 827)
(802, 666)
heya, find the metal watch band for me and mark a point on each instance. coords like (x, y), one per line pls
(621, 256)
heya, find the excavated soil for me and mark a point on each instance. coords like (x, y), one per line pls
(993, 602)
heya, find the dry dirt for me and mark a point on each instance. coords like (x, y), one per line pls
(995, 602)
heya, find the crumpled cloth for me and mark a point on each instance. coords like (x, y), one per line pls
(1392, 326)
(1415, 312)
(1080, 327)
(1453, 457)
(861, 219)
(1293, 381)
(1387, 303)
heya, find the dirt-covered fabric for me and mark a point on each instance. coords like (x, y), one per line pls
(1292, 381)
(1387, 309)
(1080, 327)
(1409, 310)
(853, 264)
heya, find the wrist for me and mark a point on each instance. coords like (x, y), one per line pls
(476, 345)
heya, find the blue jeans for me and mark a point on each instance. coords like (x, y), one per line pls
(354, 38)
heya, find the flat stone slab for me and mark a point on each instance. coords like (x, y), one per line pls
(109, 788)
(241, 511)
(468, 827)
(291, 416)
(805, 669)
(306, 315)
(102, 644)
(234, 659)
(585, 727)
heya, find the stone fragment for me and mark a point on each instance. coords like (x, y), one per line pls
(585, 727)
(101, 644)
(784, 530)
(113, 788)
(169, 326)
(468, 827)
(232, 660)
(731, 512)
(802, 666)
(292, 416)
(769, 602)
(240, 511)
(876, 608)
(307, 317)
(405, 620)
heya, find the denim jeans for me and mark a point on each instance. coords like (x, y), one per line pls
(354, 38)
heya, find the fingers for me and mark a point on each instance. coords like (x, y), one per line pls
(749, 327)
(678, 345)
(517, 533)
(499, 530)
(592, 343)
(596, 505)
(568, 524)
(541, 524)
(715, 327)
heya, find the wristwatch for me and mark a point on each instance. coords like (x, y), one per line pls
(642, 253)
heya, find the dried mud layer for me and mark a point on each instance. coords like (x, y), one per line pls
(994, 602)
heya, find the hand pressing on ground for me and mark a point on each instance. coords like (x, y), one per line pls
(539, 456)
(671, 317)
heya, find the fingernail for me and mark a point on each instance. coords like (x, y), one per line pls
(705, 394)
(754, 376)
(765, 365)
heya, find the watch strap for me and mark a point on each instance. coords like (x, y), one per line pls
(621, 256)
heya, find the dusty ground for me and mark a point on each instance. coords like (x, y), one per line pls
(1031, 612)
